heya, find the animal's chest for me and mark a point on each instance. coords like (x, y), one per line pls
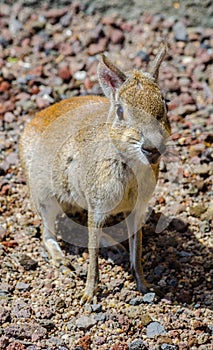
(138, 189)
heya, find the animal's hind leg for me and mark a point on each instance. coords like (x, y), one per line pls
(49, 212)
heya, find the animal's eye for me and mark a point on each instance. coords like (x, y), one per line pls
(120, 112)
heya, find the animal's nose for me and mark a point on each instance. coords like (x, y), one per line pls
(152, 153)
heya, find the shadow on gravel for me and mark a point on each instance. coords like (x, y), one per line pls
(174, 259)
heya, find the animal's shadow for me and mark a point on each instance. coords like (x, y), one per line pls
(173, 258)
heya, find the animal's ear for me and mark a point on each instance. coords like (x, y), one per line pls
(158, 60)
(110, 77)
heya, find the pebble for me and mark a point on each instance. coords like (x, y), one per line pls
(64, 73)
(136, 301)
(117, 36)
(60, 304)
(208, 214)
(80, 75)
(22, 286)
(101, 46)
(138, 312)
(205, 226)
(137, 344)
(144, 56)
(4, 86)
(101, 316)
(85, 322)
(197, 210)
(158, 270)
(148, 297)
(15, 345)
(27, 262)
(179, 225)
(12, 158)
(168, 347)
(180, 31)
(96, 307)
(9, 117)
(155, 328)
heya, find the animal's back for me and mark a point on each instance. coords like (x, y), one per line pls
(63, 117)
(52, 128)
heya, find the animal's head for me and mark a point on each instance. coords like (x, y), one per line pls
(138, 114)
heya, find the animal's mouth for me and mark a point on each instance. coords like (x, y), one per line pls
(152, 153)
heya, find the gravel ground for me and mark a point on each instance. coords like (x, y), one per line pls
(50, 54)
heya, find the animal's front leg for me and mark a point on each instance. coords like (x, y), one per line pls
(136, 264)
(93, 247)
(134, 224)
(135, 247)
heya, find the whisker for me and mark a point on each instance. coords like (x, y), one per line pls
(171, 155)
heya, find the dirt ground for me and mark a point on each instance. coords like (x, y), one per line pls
(46, 55)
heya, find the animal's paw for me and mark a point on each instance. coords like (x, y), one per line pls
(89, 295)
(145, 287)
(88, 298)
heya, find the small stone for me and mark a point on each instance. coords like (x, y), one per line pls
(197, 210)
(158, 270)
(185, 110)
(184, 254)
(60, 304)
(184, 81)
(115, 283)
(22, 286)
(138, 312)
(94, 49)
(202, 169)
(27, 262)
(208, 215)
(96, 307)
(180, 31)
(64, 73)
(9, 117)
(137, 344)
(66, 49)
(85, 322)
(66, 19)
(5, 287)
(12, 158)
(205, 226)
(55, 13)
(173, 282)
(85, 342)
(117, 36)
(136, 301)
(15, 345)
(149, 297)
(48, 324)
(80, 75)
(179, 225)
(100, 340)
(101, 316)
(168, 347)
(21, 309)
(143, 55)
(4, 86)
(154, 329)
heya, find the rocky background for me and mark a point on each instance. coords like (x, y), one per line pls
(48, 53)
